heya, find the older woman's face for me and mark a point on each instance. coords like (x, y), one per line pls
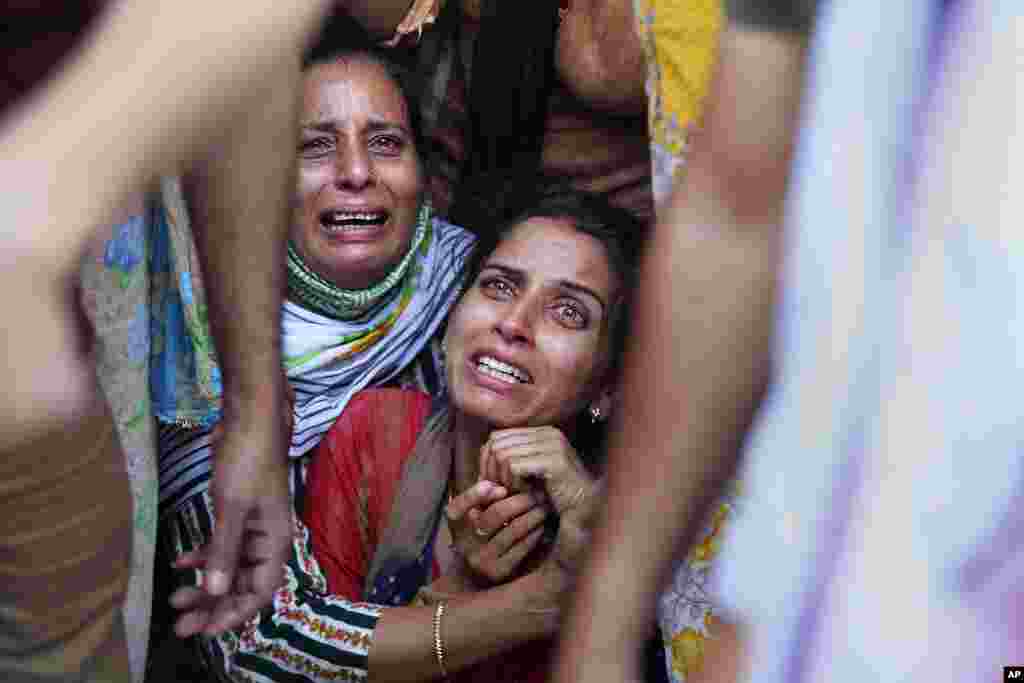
(528, 343)
(359, 176)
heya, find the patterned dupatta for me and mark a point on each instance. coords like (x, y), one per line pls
(326, 360)
(329, 360)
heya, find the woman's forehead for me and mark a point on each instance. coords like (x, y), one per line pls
(351, 85)
(552, 249)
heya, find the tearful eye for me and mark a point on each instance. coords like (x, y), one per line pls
(387, 144)
(315, 147)
(497, 287)
(571, 315)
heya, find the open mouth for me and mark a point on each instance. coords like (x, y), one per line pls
(344, 221)
(492, 367)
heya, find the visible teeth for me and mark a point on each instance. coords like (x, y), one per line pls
(497, 374)
(495, 368)
(354, 216)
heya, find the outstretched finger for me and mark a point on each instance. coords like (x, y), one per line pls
(194, 559)
(187, 598)
(195, 608)
(224, 548)
(233, 611)
(191, 623)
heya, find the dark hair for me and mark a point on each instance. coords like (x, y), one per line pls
(343, 38)
(509, 204)
(513, 59)
(508, 90)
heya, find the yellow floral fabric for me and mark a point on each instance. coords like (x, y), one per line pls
(686, 610)
(680, 42)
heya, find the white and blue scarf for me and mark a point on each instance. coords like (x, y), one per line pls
(328, 360)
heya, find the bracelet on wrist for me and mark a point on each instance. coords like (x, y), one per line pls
(439, 649)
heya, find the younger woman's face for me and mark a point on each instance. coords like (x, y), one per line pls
(528, 344)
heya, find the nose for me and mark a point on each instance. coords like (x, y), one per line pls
(516, 325)
(354, 167)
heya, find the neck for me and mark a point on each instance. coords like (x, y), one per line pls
(310, 289)
(470, 435)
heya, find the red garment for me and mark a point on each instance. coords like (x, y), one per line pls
(350, 489)
(352, 480)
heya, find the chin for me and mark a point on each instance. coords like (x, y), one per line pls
(488, 409)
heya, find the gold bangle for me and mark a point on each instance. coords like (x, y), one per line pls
(439, 649)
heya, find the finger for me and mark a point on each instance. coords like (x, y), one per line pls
(264, 580)
(488, 464)
(526, 468)
(195, 559)
(225, 546)
(500, 513)
(191, 623)
(515, 555)
(519, 437)
(187, 598)
(518, 529)
(502, 454)
(553, 443)
(268, 551)
(499, 568)
(519, 434)
(507, 536)
(479, 494)
(231, 614)
(485, 457)
(545, 466)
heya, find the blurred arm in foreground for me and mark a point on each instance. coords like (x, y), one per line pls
(700, 359)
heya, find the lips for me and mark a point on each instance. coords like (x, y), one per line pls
(490, 365)
(340, 221)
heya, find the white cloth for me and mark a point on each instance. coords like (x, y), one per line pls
(329, 360)
(880, 537)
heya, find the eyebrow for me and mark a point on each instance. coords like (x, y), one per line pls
(375, 125)
(519, 276)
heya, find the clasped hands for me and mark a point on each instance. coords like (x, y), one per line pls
(526, 475)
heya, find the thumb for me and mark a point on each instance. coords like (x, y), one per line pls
(225, 547)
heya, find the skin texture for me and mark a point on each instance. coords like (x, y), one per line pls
(598, 55)
(535, 314)
(346, 160)
(249, 486)
(493, 532)
(128, 127)
(701, 346)
(356, 153)
(541, 303)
